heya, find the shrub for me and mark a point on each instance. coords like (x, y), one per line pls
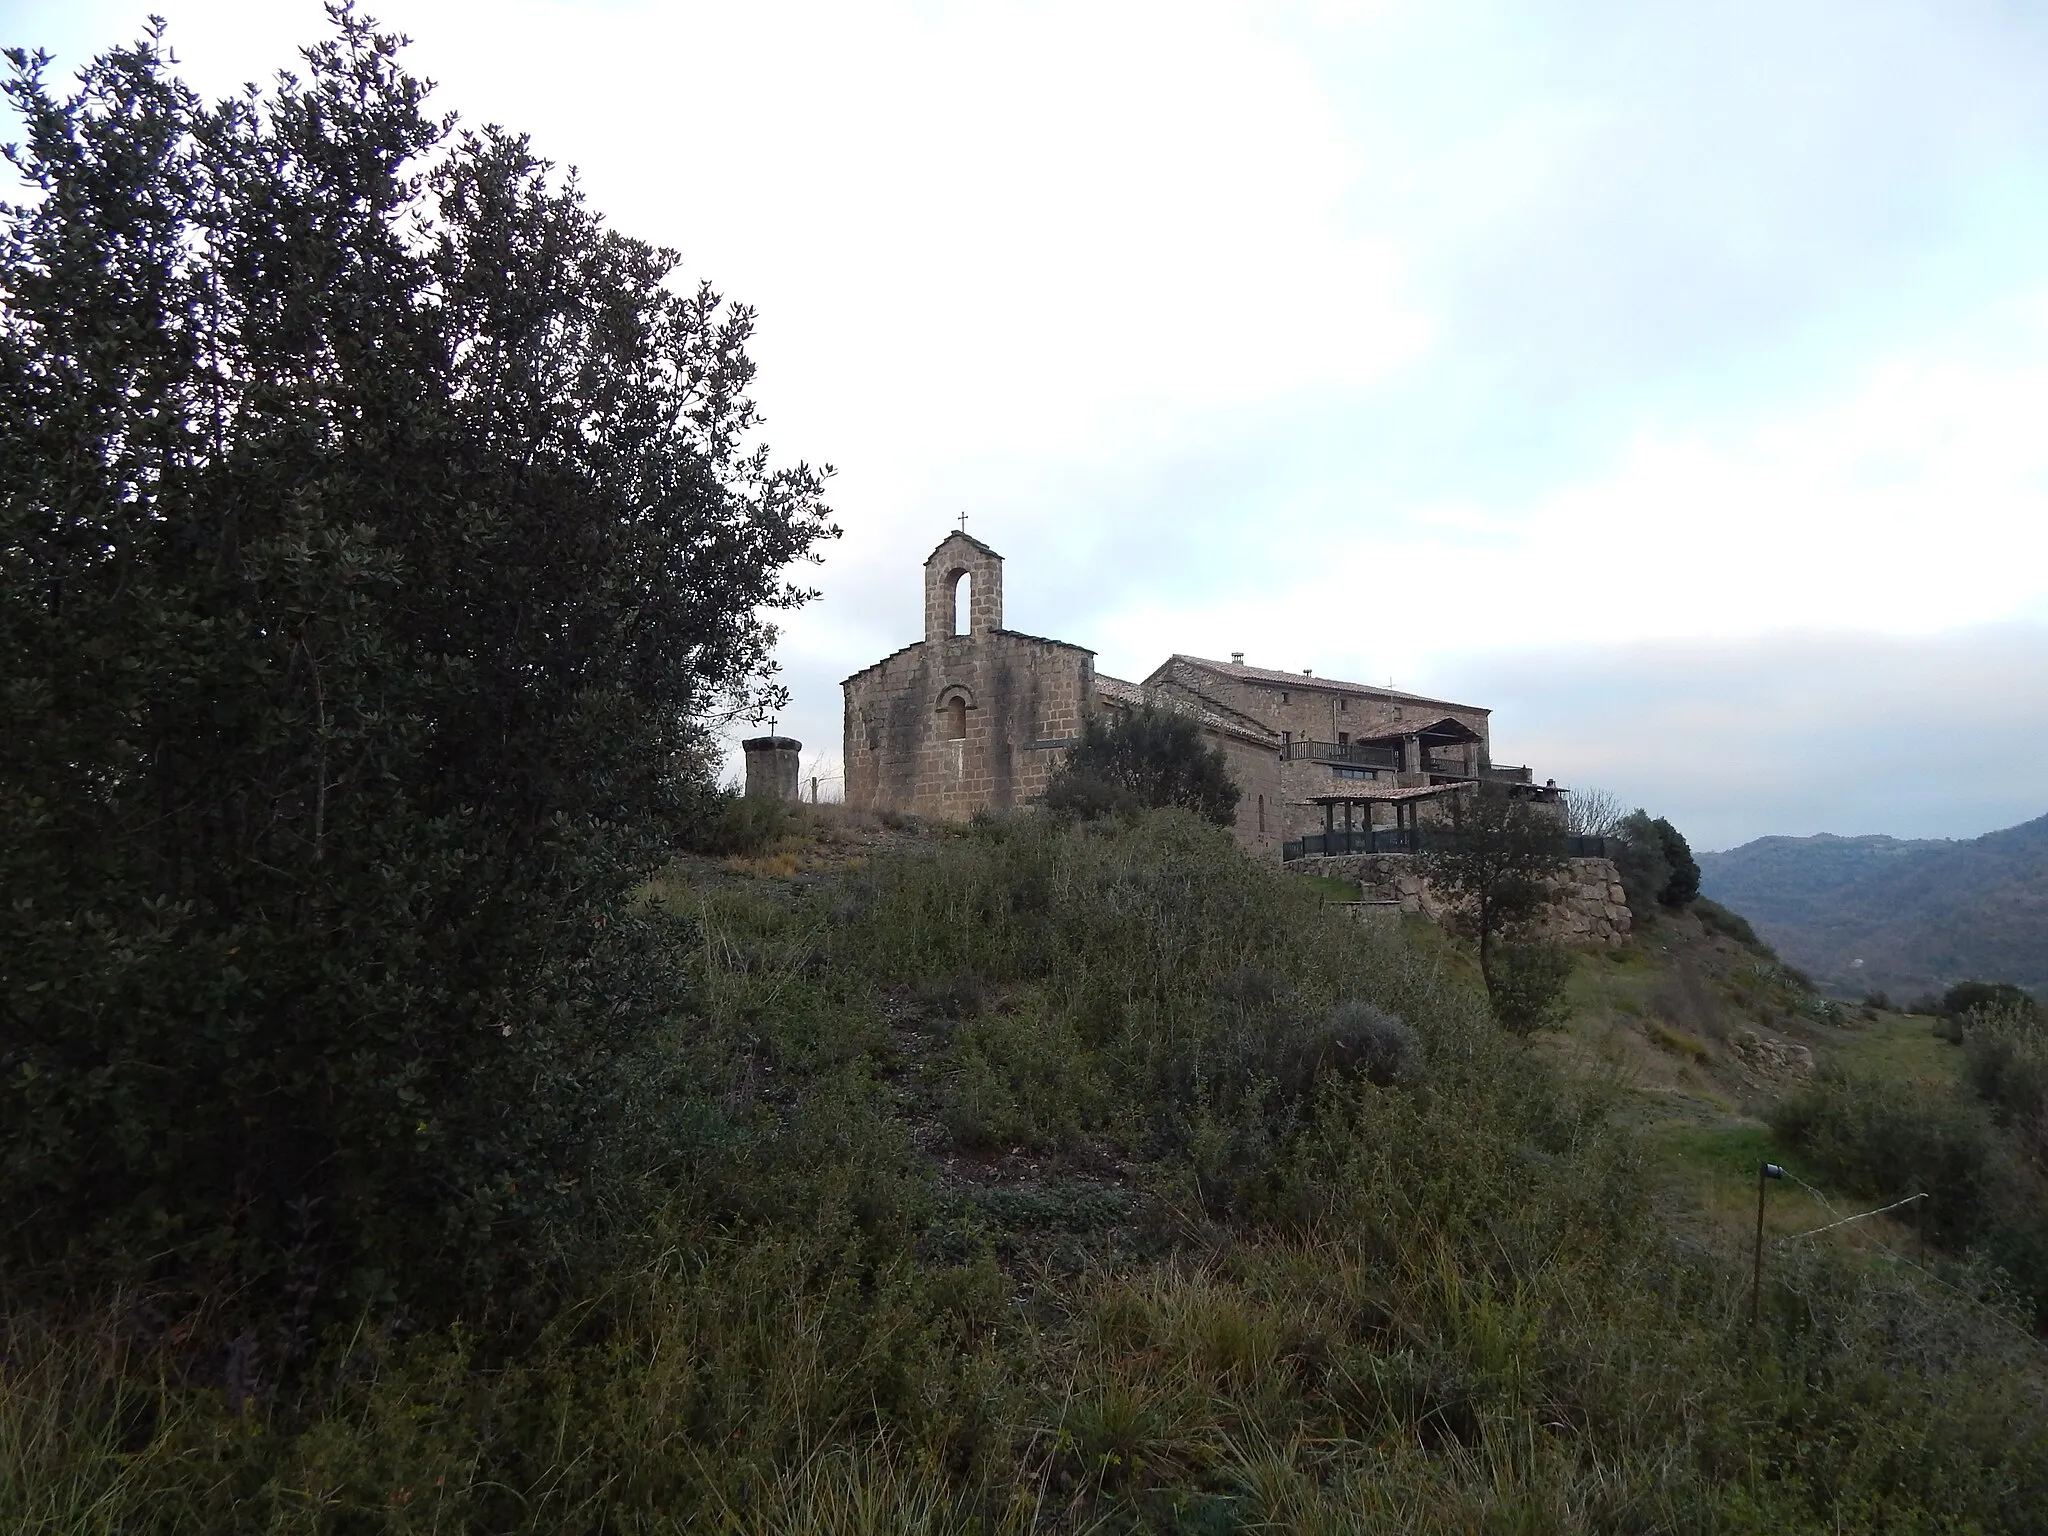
(2005, 1059)
(1526, 983)
(1656, 866)
(1889, 1140)
(1364, 1041)
(1716, 918)
(2001, 997)
(1148, 760)
(1021, 1078)
(961, 995)
(731, 823)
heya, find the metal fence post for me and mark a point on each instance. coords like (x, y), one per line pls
(1756, 1275)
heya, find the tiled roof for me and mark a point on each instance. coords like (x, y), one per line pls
(1395, 730)
(1371, 791)
(1272, 678)
(1117, 691)
(1211, 715)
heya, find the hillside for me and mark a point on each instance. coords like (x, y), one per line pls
(1918, 914)
(1034, 1179)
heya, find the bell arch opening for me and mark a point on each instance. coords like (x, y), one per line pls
(961, 601)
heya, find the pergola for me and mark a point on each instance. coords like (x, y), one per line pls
(1404, 801)
(1444, 731)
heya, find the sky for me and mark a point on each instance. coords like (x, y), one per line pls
(1671, 379)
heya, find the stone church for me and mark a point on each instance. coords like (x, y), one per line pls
(975, 716)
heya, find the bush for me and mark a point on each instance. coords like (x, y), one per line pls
(1526, 982)
(1890, 1140)
(2000, 997)
(733, 824)
(1716, 918)
(1368, 1042)
(2005, 1059)
(1150, 759)
(1656, 866)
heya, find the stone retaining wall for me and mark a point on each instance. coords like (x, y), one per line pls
(1594, 911)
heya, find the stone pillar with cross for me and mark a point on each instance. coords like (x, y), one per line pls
(773, 763)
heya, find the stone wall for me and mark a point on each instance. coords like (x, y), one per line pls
(1594, 910)
(1261, 807)
(960, 723)
(1018, 700)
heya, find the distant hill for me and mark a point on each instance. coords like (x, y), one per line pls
(1918, 914)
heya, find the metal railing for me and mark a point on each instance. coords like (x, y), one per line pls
(1410, 840)
(1358, 840)
(1349, 752)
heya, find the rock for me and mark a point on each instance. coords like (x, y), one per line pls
(1770, 1058)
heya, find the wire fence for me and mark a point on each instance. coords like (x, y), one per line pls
(1918, 1197)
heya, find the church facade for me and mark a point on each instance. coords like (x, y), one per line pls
(978, 717)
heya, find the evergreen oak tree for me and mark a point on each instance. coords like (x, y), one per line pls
(1150, 758)
(1501, 861)
(377, 531)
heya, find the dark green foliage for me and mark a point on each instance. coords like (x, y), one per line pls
(1147, 760)
(731, 823)
(1683, 883)
(1656, 864)
(375, 527)
(1526, 982)
(2007, 1064)
(1497, 861)
(1730, 925)
(1638, 854)
(1889, 1140)
(959, 996)
(1968, 997)
(1369, 1042)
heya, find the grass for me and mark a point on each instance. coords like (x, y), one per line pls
(1715, 1169)
(1022, 1180)
(1900, 1046)
(1329, 887)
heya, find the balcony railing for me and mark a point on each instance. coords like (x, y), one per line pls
(1350, 753)
(1411, 840)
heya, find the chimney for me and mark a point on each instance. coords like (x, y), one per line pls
(1308, 671)
(1237, 658)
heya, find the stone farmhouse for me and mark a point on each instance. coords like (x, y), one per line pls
(975, 716)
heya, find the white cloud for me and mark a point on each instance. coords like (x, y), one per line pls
(1392, 339)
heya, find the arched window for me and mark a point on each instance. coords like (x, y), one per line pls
(963, 604)
(956, 718)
